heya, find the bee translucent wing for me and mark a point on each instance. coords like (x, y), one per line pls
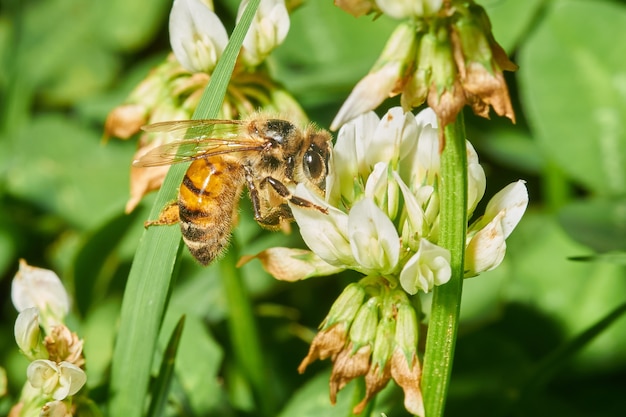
(189, 150)
(191, 129)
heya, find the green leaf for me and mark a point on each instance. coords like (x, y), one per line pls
(573, 294)
(65, 169)
(166, 372)
(572, 78)
(599, 223)
(198, 363)
(311, 400)
(151, 273)
(128, 25)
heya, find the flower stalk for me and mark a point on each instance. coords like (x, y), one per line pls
(444, 321)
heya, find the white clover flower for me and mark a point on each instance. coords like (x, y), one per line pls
(56, 380)
(268, 29)
(197, 35)
(40, 288)
(383, 207)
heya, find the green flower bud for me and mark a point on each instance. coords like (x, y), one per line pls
(345, 308)
(363, 329)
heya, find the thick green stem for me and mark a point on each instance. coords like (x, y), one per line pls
(444, 320)
(244, 334)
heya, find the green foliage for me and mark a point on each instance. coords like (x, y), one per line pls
(544, 327)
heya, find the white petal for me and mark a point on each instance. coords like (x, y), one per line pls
(27, 331)
(476, 180)
(43, 374)
(268, 29)
(368, 93)
(513, 200)
(428, 267)
(324, 234)
(486, 248)
(394, 138)
(72, 377)
(349, 155)
(197, 35)
(426, 117)
(40, 288)
(373, 238)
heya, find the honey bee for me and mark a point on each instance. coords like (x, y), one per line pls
(269, 156)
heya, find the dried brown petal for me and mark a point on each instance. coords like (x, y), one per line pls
(408, 376)
(326, 344)
(125, 120)
(64, 345)
(375, 380)
(347, 366)
(447, 104)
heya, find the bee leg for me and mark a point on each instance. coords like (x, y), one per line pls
(168, 216)
(284, 192)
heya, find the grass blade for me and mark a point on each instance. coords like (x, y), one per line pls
(151, 274)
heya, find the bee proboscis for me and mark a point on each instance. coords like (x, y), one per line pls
(269, 156)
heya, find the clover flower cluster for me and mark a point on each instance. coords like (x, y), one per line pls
(443, 53)
(172, 90)
(55, 373)
(382, 198)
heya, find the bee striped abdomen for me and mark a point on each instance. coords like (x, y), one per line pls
(207, 203)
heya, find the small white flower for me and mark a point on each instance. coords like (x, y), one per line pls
(268, 29)
(56, 380)
(27, 332)
(486, 244)
(40, 288)
(428, 267)
(374, 240)
(197, 35)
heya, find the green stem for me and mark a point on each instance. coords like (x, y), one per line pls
(444, 320)
(243, 331)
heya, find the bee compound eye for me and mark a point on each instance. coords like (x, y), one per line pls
(314, 165)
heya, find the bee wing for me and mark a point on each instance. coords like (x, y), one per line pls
(189, 129)
(189, 150)
(194, 139)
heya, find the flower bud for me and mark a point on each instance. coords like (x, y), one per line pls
(27, 332)
(346, 306)
(363, 328)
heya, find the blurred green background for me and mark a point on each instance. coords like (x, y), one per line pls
(64, 64)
